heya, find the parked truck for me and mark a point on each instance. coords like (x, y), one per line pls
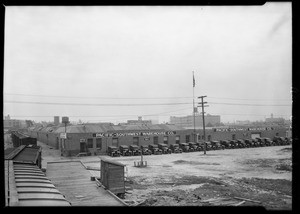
(261, 141)
(145, 150)
(241, 143)
(154, 149)
(175, 148)
(164, 148)
(226, 144)
(268, 141)
(113, 151)
(216, 145)
(234, 144)
(249, 143)
(124, 149)
(194, 146)
(135, 150)
(185, 147)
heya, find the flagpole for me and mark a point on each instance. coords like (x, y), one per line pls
(194, 140)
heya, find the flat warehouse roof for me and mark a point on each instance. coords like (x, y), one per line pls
(74, 181)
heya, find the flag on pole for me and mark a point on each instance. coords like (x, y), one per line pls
(193, 80)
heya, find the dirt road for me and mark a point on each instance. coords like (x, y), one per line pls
(220, 177)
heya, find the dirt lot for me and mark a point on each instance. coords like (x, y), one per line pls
(239, 177)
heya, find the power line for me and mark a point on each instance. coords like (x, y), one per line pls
(132, 98)
(255, 115)
(165, 112)
(86, 97)
(94, 104)
(131, 104)
(223, 98)
(130, 115)
(242, 104)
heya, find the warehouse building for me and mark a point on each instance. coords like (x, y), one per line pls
(93, 139)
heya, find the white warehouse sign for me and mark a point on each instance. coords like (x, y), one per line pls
(133, 134)
(243, 129)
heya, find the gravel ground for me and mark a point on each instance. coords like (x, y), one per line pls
(262, 175)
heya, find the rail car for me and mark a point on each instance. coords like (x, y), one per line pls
(19, 139)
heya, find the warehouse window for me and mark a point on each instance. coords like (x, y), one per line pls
(233, 137)
(155, 140)
(177, 139)
(187, 138)
(115, 141)
(136, 140)
(99, 143)
(166, 139)
(209, 138)
(90, 143)
(203, 138)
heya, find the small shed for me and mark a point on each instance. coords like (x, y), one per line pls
(112, 176)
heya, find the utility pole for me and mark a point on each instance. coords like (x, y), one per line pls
(202, 105)
(194, 133)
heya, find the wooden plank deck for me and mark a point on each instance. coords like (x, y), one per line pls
(74, 182)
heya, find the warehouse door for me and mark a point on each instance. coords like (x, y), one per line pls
(254, 136)
(115, 142)
(155, 140)
(82, 147)
(177, 139)
(136, 141)
(187, 138)
(57, 143)
(165, 139)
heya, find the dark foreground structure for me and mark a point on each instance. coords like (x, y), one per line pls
(25, 182)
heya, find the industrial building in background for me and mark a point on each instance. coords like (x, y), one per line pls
(56, 120)
(188, 121)
(140, 121)
(9, 123)
(273, 120)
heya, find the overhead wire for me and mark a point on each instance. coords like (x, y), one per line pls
(134, 104)
(94, 104)
(98, 97)
(244, 104)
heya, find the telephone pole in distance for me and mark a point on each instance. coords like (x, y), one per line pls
(202, 105)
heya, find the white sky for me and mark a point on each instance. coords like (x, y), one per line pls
(81, 55)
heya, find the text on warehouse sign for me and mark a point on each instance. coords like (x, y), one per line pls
(133, 134)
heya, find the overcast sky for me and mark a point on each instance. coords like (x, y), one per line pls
(85, 57)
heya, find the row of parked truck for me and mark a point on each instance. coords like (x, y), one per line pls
(161, 148)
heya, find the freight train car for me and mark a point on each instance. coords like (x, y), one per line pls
(19, 139)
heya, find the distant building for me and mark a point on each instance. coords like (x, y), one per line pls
(242, 122)
(188, 121)
(7, 117)
(139, 121)
(273, 120)
(56, 120)
(9, 123)
(154, 121)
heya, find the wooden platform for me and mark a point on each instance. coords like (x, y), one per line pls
(73, 180)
